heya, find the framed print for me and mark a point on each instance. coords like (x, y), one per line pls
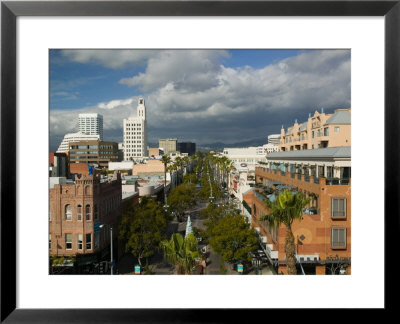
(41, 40)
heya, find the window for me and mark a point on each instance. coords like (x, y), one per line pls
(88, 213)
(312, 134)
(338, 237)
(338, 208)
(68, 212)
(68, 241)
(89, 241)
(337, 129)
(80, 241)
(49, 241)
(79, 212)
(326, 131)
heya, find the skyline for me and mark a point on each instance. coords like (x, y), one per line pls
(216, 95)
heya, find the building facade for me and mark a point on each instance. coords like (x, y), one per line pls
(58, 165)
(319, 131)
(274, 139)
(76, 211)
(93, 152)
(91, 124)
(168, 145)
(187, 147)
(323, 236)
(75, 137)
(154, 152)
(245, 159)
(135, 134)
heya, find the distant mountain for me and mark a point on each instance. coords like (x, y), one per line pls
(221, 145)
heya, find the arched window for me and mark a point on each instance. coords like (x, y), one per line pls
(88, 213)
(79, 212)
(68, 212)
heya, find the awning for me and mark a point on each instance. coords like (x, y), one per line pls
(281, 187)
(274, 183)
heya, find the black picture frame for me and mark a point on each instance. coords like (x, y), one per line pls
(11, 10)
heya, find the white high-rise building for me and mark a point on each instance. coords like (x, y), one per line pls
(91, 124)
(135, 134)
(75, 137)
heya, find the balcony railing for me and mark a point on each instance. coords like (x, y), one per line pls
(299, 176)
(311, 211)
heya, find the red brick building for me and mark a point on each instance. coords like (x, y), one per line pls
(76, 209)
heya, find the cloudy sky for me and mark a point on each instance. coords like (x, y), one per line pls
(204, 96)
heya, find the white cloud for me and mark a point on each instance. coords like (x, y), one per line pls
(194, 70)
(114, 103)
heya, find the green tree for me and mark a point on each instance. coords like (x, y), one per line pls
(190, 178)
(284, 210)
(182, 198)
(212, 214)
(142, 228)
(233, 238)
(182, 252)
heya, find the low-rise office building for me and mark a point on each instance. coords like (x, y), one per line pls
(75, 137)
(245, 159)
(93, 152)
(168, 145)
(187, 147)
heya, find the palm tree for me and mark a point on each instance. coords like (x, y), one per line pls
(186, 163)
(182, 252)
(165, 159)
(179, 163)
(284, 210)
(226, 166)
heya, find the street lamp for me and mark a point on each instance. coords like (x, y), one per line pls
(111, 237)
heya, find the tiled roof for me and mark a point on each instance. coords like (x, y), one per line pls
(340, 117)
(303, 126)
(329, 152)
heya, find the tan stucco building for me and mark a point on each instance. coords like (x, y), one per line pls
(319, 131)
